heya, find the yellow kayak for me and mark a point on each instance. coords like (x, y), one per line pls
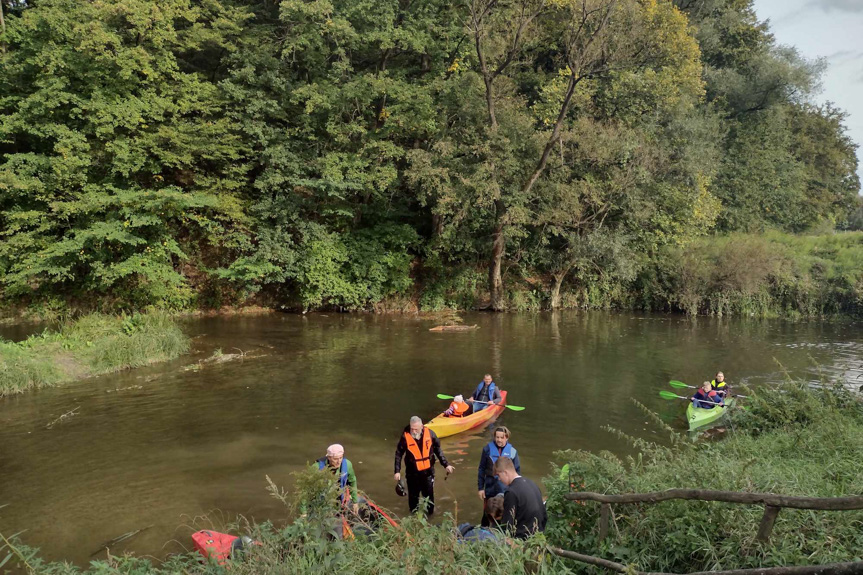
(446, 426)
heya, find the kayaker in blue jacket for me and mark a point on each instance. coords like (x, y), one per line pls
(706, 398)
(486, 392)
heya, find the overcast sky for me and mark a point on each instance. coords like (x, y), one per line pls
(831, 29)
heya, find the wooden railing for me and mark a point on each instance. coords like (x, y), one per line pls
(772, 502)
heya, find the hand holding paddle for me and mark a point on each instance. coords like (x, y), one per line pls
(669, 395)
(508, 406)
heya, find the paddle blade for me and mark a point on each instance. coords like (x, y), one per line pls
(515, 407)
(669, 395)
(679, 384)
(442, 396)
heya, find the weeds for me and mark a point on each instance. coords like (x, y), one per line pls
(91, 345)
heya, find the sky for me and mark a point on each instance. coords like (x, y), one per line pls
(829, 29)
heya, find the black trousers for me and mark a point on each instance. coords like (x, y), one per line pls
(421, 484)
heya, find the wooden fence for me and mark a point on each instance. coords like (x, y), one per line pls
(772, 502)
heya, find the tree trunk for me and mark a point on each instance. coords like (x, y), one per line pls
(555, 290)
(498, 245)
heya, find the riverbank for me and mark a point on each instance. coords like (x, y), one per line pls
(790, 440)
(91, 345)
(799, 442)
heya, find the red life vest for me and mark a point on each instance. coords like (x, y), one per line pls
(422, 458)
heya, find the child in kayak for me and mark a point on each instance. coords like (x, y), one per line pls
(458, 407)
(719, 385)
(706, 398)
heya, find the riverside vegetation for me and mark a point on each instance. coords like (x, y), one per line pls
(91, 345)
(386, 154)
(801, 441)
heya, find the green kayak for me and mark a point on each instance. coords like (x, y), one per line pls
(699, 417)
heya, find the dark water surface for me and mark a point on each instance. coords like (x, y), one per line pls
(158, 447)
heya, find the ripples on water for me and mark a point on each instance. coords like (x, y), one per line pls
(157, 447)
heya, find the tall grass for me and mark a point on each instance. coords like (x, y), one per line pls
(87, 346)
(797, 442)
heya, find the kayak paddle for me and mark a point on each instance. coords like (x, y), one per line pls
(668, 395)
(508, 406)
(680, 384)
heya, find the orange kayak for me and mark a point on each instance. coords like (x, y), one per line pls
(446, 426)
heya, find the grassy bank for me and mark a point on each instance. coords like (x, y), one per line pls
(797, 442)
(769, 275)
(91, 345)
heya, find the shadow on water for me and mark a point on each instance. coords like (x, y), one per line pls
(154, 448)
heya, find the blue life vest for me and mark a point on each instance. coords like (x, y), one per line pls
(476, 395)
(343, 472)
(493, 485)
(495, 453)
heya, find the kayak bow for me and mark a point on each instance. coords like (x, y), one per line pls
(699, 417)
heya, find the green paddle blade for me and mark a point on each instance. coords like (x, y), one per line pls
(442, 396)
(679, 384)
(669, 395)
(515, 407)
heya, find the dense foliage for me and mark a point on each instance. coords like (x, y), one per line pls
(314, 153)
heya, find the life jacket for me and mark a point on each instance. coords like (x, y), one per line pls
(458, 409)
(705, 401)
(343, 476)
(422, 458)
(496, 453)
(478, 393)
(719, 386)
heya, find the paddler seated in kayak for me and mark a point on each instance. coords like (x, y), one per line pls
(458, 408)
(705, 397)
(484, 394)
(719, 385)
(336, 463)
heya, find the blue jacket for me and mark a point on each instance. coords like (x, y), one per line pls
(486, 478)
(700, 399)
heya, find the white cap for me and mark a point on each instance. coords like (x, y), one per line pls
(458, 399)
(335, 450)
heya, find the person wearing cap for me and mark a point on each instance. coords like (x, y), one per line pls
(458, 407)
(419, 445)
(336, 462)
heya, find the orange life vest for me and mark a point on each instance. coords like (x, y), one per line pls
(458, 409)
(422, 458)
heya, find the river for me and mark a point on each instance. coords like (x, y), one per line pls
(187, 444)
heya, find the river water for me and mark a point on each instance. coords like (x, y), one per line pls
(187, 444)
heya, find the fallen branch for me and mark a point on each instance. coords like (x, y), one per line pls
(62, 418)
(790, 501)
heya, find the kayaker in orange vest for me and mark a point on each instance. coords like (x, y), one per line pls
(458, 408)
(419, 445)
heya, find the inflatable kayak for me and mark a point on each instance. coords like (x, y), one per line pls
(446, 426)
(699, 417)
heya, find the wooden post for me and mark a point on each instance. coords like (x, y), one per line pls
(604, 516)
(767, 520)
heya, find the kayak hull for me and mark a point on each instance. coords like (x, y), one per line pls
(699, 417)
(446, 426)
